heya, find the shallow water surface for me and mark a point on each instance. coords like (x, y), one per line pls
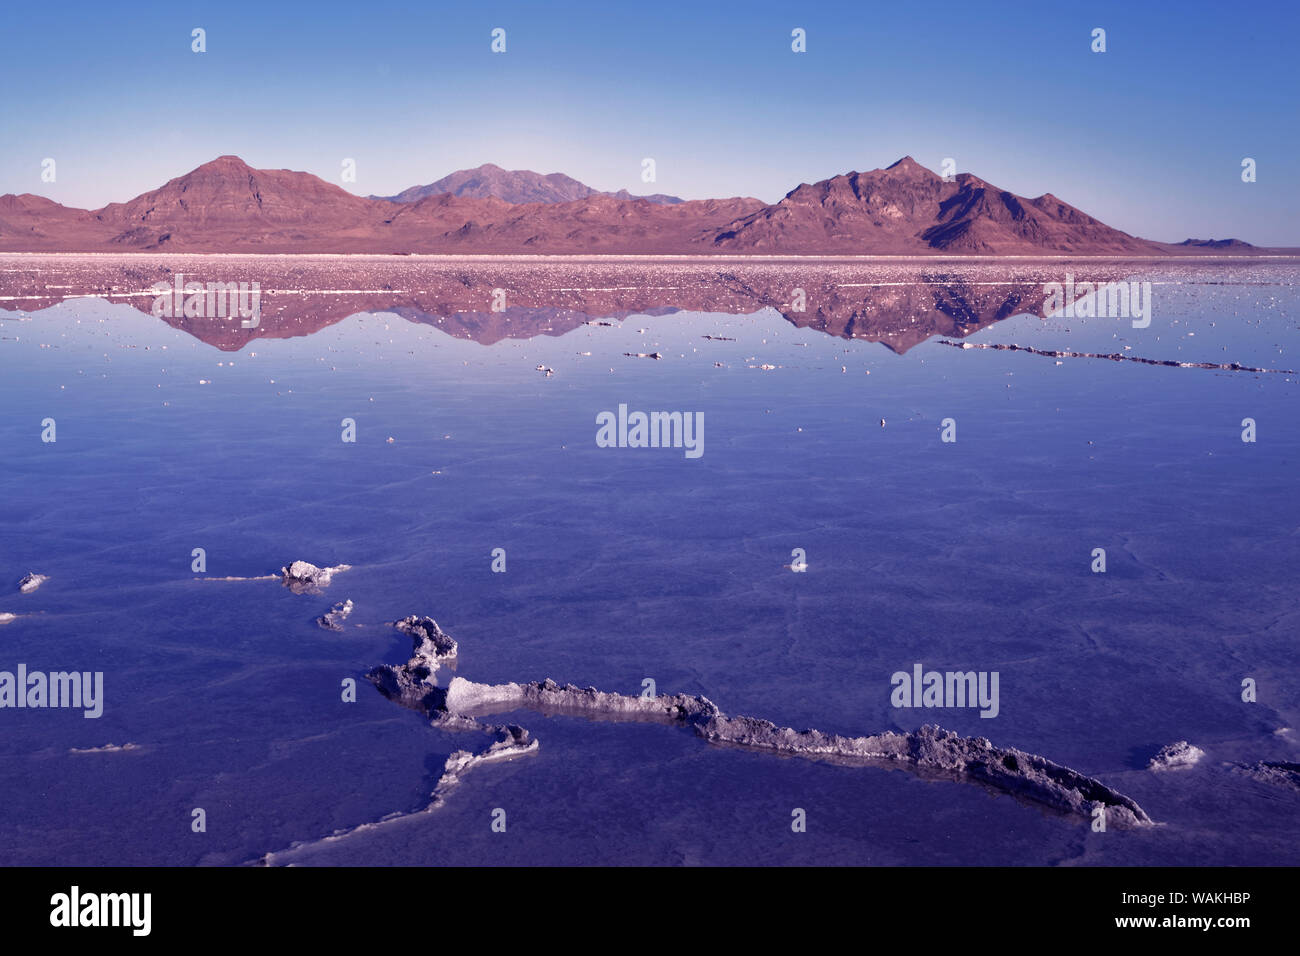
(823, 431)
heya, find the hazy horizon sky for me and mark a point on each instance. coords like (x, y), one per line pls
(1149, 136)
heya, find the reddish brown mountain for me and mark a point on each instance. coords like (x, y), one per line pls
(490, 181)
(598, 225)
(33, 223)
(226, 202)
(227, 206)
(908, 209)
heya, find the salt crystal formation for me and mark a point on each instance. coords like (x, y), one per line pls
(333, 620)
(511, 740)
(1275, 772)
(31, 581)
(1176, 756)
(302, 577)
(109, 748)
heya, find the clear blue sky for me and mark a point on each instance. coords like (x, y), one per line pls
(1148, 136)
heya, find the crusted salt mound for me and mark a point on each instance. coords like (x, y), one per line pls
(1179, 755)
(1023, 774)
(303, 577)
(467, 697)
(433, 645)
(31, 581)
(933, 750)
(333, 620)
(511, 741)
(106, 749)
(414, 684)
(930, 750)
(1275, 772)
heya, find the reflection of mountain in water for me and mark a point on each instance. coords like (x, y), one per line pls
(516, 322)
(901, 315)
(898, 306)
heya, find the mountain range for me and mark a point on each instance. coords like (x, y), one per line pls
(227, 206)
(514, 186)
